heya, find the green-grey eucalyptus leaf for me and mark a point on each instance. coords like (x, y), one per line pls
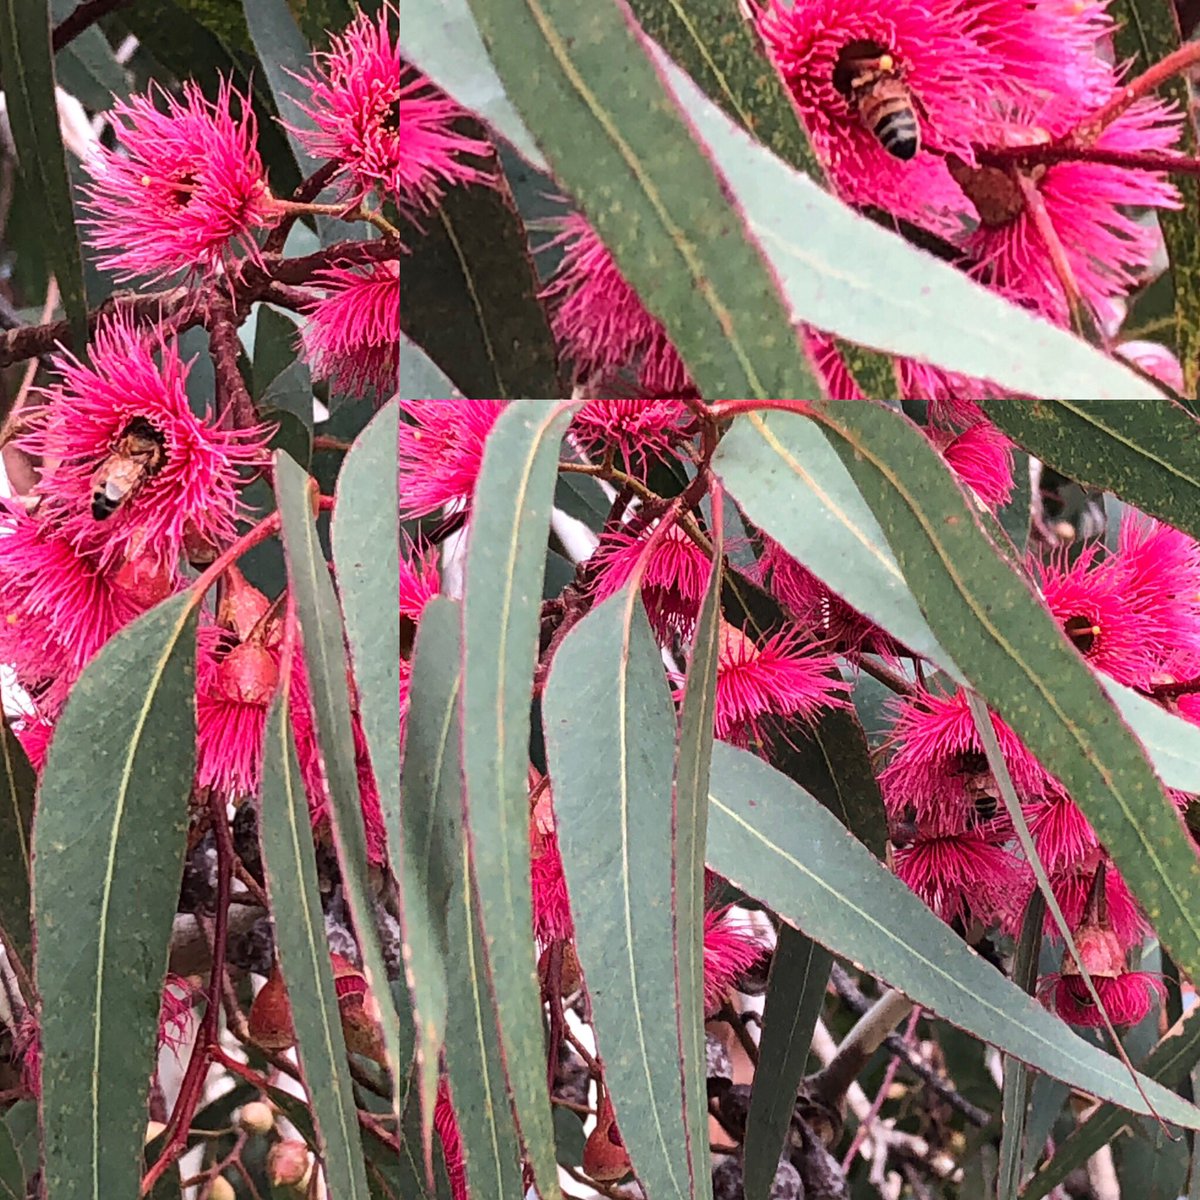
(426, 860)
(491, 1145)
(796, 986)
(320, 621)
(610, 739)
(791, 483)
(27, 67)
(18, 783)
(285, 831)
(109, 840)
(777, 843)
(506, 551)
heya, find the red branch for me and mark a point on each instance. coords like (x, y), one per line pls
(183, 307)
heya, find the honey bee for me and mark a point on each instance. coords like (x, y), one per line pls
(137, 455)
(979, 786)
(869, 79)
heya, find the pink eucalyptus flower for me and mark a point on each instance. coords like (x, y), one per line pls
(836, 378)
(981, 456)
(420, 579)
(731, 948)
(1087, 204)
(552, 920)
(673, 580)
(829, 618)
(779, 678)
(58, 606)
(185, 189)
(1060, 831)
(441, 451)
(939, 766)
(34, 736)
(1093, 601)
(1160, 567)
(124, 418)
(602, 325)
(352, 337)
(446, 1124)
(1126, 998)
(959, 874)
(641, 431)
(388, 127)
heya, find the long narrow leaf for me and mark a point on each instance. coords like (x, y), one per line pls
(1147, 452)
(286, 835)
(1023, 665)
(426, 859)
(27, 68)
(109, 840)
(610, 733)
(325, 656)
(510, 523)
(781, 846)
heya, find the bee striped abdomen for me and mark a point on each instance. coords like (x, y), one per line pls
(898, 132)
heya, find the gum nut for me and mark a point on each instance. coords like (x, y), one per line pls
(145, 580)
(257, 1117)
(604, 1155)
(242, 605)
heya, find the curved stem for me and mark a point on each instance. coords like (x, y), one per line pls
(357, 212)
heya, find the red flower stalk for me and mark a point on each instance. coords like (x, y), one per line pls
(673, 579)
(185, 189)
(441, 451)
(136, 467)
(779, 678)
(352, 337)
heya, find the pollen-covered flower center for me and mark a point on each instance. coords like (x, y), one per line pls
(390, 121)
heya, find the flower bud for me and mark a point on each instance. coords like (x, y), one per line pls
(256, 1117)
(288, 1164)
(604, 1155)
(362, 1024)
(270, 1020)
(242, 605)
(145, 579)
(247, 675)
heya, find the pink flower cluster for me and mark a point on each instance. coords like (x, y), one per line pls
(1133, 613)
(933, 112)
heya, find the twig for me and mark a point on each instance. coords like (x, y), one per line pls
(869, 1033)
(1141, 85)
(851, 995)
(309, 189)
(80, 18)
